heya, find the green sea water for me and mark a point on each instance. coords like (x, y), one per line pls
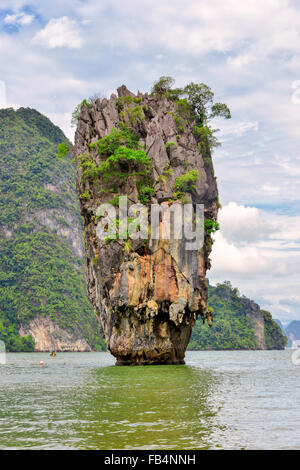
(227, 400)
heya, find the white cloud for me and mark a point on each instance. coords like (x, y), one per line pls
(260, 253)
(270, 189)
(248, 52)
(235, 128)
(244, 224)
(229, 258)
(217, 26)
(23, 19)
(59, 32)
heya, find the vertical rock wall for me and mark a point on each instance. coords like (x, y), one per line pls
(148, 296)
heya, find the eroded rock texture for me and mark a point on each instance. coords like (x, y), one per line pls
(147, 297)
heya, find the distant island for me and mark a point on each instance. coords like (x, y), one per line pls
(292, 332)
(239, 323)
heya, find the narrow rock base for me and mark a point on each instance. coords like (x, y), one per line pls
(149, 362)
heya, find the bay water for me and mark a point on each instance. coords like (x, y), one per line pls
(218, 400)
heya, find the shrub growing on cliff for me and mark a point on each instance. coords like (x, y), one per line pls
(201, 98)
(132, 114)
(198, 97)
(145, 191)
(77, 112)
(127, 160)
(90, 169)
(162, 86)
(170, 144)
(193, 102)
(185, 109)
(86, 195)
(118, 137)
(127, 100)
(185, 183)
(206, 138)
(211, 226)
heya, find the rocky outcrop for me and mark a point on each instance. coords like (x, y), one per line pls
(65, 224)
(146, 294)
(256, 317)
(49, 336)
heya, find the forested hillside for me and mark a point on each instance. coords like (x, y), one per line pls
(41, 267)
(239, 323)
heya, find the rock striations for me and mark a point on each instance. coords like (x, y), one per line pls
(147, 294)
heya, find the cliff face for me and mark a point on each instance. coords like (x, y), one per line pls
(146, 294)
(48, 336)
(257, 321)
(43, 298)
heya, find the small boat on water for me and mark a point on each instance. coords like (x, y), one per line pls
(53, 354)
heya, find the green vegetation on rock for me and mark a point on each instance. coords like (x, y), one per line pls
(274, 336)
(186, 182)
(124, 158)
(211, 226)
(194, 104)
(77, 111)
(115, 139)
(123, 162)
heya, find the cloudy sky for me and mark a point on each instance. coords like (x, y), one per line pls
(53, 54)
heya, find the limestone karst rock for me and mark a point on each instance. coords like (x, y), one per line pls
(146, 294)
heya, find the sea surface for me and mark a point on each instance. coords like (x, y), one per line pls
(218, 400)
